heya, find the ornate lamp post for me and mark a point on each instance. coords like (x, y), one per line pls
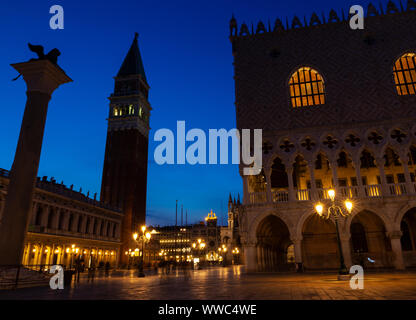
(223, 249)
(198, 247)
(145, 237)
(336, 211)
(235, 252)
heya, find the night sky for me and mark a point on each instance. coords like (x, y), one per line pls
(188, 62)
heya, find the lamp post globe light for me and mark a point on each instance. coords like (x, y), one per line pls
(144, 237)
(198, 248)
(223, 249)
(336, 211)
(235, 252)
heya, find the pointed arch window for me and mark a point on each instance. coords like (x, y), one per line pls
(405, 74)
(306, 88)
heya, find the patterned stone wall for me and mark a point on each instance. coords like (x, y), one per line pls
(356, 65)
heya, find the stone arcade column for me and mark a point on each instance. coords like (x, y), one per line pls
(333, 164)
(42, 77)
(250, 258)
(396, 247)
(357, 166)
(268, 173)
(291, 189)
(297, 246)
(314, 191)
(409, 185)
(380, 166)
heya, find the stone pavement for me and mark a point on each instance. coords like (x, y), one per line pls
(228, 283)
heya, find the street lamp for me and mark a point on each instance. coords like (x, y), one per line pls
(337, 212)
(235, 252)
(224, 250)
(198, 247)
(145, 237)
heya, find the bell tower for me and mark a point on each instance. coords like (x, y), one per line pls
(124, 179)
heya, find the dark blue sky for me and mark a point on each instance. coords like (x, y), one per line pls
(188, 62)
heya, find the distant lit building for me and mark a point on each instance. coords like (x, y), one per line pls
(230, 235)
(183, 243)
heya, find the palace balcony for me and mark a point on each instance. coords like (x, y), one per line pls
(349, 192)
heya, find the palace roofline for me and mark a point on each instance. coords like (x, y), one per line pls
(316, 21)
(63, 190)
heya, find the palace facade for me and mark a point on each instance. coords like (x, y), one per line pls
(337, 107)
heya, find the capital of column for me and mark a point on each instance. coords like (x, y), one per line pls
(333, 164)
(41, 75)
(289, 169)
(267, 171)
(380, 162)
(395, 234)
(344, 237)
(296, 240)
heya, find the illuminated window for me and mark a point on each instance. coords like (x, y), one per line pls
(405, 74)
(115, 111)
(306, 88)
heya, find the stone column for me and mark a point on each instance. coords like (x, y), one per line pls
(333, 165)
(91, 226)
(409, 185)
(250, 257)
(268, 173)
(314, 192)
(42, 77)
(357, 167)
(380, 166)
(45, 216)
(396, 247)
(84, 224)
(65, 224)
(259, 261)
(297, 246)
(55, 224)
(291, 190)
(107, 228)
(25, 260)
(75, 223)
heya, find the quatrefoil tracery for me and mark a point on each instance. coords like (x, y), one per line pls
(287, 146)
(330, 142)
(375, 138)
(308, 144)
(398, 135)
(352, 140)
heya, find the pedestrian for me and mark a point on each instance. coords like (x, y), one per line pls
(91, 272)
(107, 269)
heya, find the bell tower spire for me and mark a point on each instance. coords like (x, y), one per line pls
(124, 179)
